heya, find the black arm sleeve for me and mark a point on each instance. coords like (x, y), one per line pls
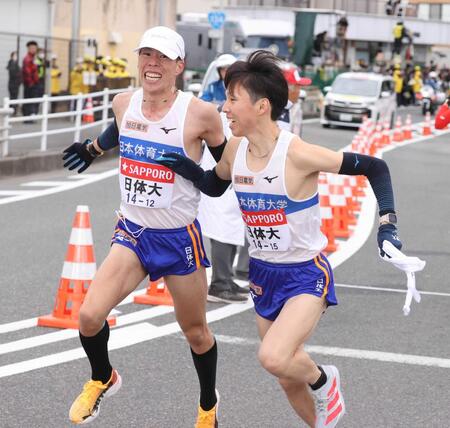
(211, 184)
(218, 150)
(109, 138)
(377, 172)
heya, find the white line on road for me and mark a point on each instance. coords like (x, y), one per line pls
(57, 336)
(32, 322)
(21, 195)
(44, 183)
(392, 290)
(120, 338)
(361, 354)
(16, 193)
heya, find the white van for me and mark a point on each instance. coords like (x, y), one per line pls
(355, 95)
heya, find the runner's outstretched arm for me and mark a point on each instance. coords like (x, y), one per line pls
(81, 155)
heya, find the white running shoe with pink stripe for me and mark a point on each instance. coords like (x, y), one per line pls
(330, 406)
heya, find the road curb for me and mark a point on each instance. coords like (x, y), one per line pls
(39, 162)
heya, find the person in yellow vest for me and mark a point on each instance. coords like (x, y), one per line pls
(122, 68)
(55, 77)
(398, 84)
(55, 81)
(417, 81)
(89, 73)
(111, 72)
(398, 31)
(76, 82)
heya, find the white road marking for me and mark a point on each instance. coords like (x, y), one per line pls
(80, 176)
(44, 183)
(32, 322)
(119, 338)
(21, 195)
(360, 354)
(392, 290)
(56, 336)
(16, 193)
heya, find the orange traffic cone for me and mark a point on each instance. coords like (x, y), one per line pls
(386, 135)
(398, 132)
(156, 294)
(88, 116)
(407, 130)
(78, 270)
(327, 228)
(427, 125)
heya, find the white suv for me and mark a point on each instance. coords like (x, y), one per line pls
(355, 95)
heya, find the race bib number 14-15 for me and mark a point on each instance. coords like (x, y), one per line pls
(146, 184)
(267, 230)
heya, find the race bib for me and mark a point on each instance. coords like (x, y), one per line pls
(267, 230)
(146, 184)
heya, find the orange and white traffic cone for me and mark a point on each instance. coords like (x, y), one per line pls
(77, 274)
(88, 116)
(386, 135)
(156, 294)
(398, 132)
(427, 125)
(407, 130)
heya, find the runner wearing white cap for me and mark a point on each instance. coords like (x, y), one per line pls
(157, 233)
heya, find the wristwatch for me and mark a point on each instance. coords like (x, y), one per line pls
(92, 150)
(390, 218)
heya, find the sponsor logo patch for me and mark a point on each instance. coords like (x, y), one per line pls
(136, 126)
(243, 179)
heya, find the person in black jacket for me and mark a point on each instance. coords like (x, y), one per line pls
(14, 78)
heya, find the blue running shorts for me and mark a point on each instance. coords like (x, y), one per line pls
(272, 284)
(163, 251)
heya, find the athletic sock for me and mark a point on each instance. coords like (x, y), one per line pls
(321, 381)
(96, 348)
(206, 365)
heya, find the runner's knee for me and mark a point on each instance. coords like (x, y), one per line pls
(90, 321)
(273, 361)
(197, 335)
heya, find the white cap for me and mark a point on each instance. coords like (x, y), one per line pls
(165, 40)
(225, 60)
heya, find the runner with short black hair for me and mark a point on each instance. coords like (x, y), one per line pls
(275, 176)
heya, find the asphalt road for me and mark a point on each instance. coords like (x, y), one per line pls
(373, 342)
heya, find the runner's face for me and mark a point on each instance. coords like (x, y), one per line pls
(241, 112)
(156, 71)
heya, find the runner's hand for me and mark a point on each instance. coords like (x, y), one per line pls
(181, 165)
(388, 232)
(77, 155)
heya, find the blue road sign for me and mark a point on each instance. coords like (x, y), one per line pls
(216, 19)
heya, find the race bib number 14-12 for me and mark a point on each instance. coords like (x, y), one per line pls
(146, 184)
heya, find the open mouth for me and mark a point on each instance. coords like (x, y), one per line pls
(152, 76)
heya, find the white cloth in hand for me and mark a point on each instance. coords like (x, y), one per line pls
(407, 264)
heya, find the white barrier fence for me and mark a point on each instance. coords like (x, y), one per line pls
(100, 100)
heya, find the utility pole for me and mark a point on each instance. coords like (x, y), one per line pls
(75, 32)
(49, 44)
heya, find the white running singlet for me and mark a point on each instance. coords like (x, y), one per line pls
(279, 229)
(152, 195)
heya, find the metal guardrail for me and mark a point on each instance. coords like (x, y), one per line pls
(6, 119)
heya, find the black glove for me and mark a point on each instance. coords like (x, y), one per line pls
(181, 165)
(78, 155)
(388, 232)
